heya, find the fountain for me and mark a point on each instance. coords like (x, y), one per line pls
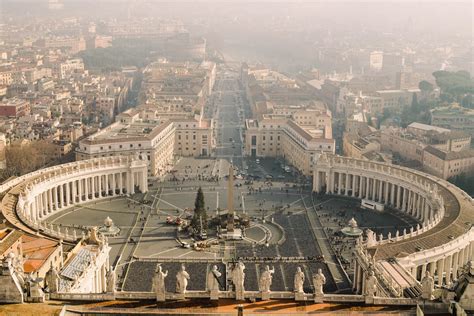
(109, 228)
(352, 229)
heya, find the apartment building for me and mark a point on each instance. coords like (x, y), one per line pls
(275, 136)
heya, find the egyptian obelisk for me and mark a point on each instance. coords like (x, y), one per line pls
(230, 200)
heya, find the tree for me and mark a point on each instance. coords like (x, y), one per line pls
(200, 214)
(425, 86)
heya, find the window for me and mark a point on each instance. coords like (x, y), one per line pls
(254, 140)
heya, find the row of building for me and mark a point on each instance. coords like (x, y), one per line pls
(439, 151)
(287, 120)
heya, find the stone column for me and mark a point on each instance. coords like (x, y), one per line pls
(93, 187)
(339, 183)
(61, 196)
(380, 197)
(39, 207)
(399, 195)
(423, 271)
(455, 265)
(392, 194)
(353, 185)
(404, 201)
(367, 187)
(439, 271)
(316, 182)
(56, 198)
(346, 184)
(50, 200)
(374, 189)
(68, 194)
(81, 191)
(131, 175)
(447, 268)
(114, 185)
(432, 268)
(121, 182)
(361, 178)
(86, 188)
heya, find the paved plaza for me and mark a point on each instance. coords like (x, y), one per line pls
(280, 227)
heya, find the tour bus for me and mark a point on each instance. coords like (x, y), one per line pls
(371, 205)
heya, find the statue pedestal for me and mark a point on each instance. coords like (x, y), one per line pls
(265, 296)
(239, 295)
(369, 299)
(318, 298)
(214, 295)
(160, 296)
(300, 296)
(180, 296)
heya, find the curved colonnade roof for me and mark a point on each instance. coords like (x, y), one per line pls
(11, 190)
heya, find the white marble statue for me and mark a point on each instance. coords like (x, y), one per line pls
(35, 290)
(213, 279)
(266, 279)
(370, 284)
(427, 286)
(52, 279)
(238, 277)
(159, 281)
(111, 280)
(299, 280)
(319, 280)
(182, 278)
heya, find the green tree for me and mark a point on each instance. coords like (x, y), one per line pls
(200, 213)
(425, 86)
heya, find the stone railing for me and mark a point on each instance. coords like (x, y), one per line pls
(405, 234)
(383, 277)
(329, 298)
(418, 258)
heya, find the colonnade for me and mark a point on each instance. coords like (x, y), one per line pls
(95, 179)
(377, 188)
(417, 195)
(445, 265)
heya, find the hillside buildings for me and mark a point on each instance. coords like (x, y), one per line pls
(439, 151)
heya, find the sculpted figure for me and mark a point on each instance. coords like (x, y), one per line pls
(266, 279)
(52, 279)
(182, 278)
(319, 280)
(427, 286)
(111, 280)
(370, 284)
(159, 281)
(238, 277)
(299, 280)
(213, 279)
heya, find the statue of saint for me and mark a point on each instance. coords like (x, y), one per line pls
(319, 280)
(427, 286)
(266, 279)
(111, 280)
(238, 277)
(182, 278)
(159, 281)
(52, 279)
(299, 280)
(370, 284)
(213, 279)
